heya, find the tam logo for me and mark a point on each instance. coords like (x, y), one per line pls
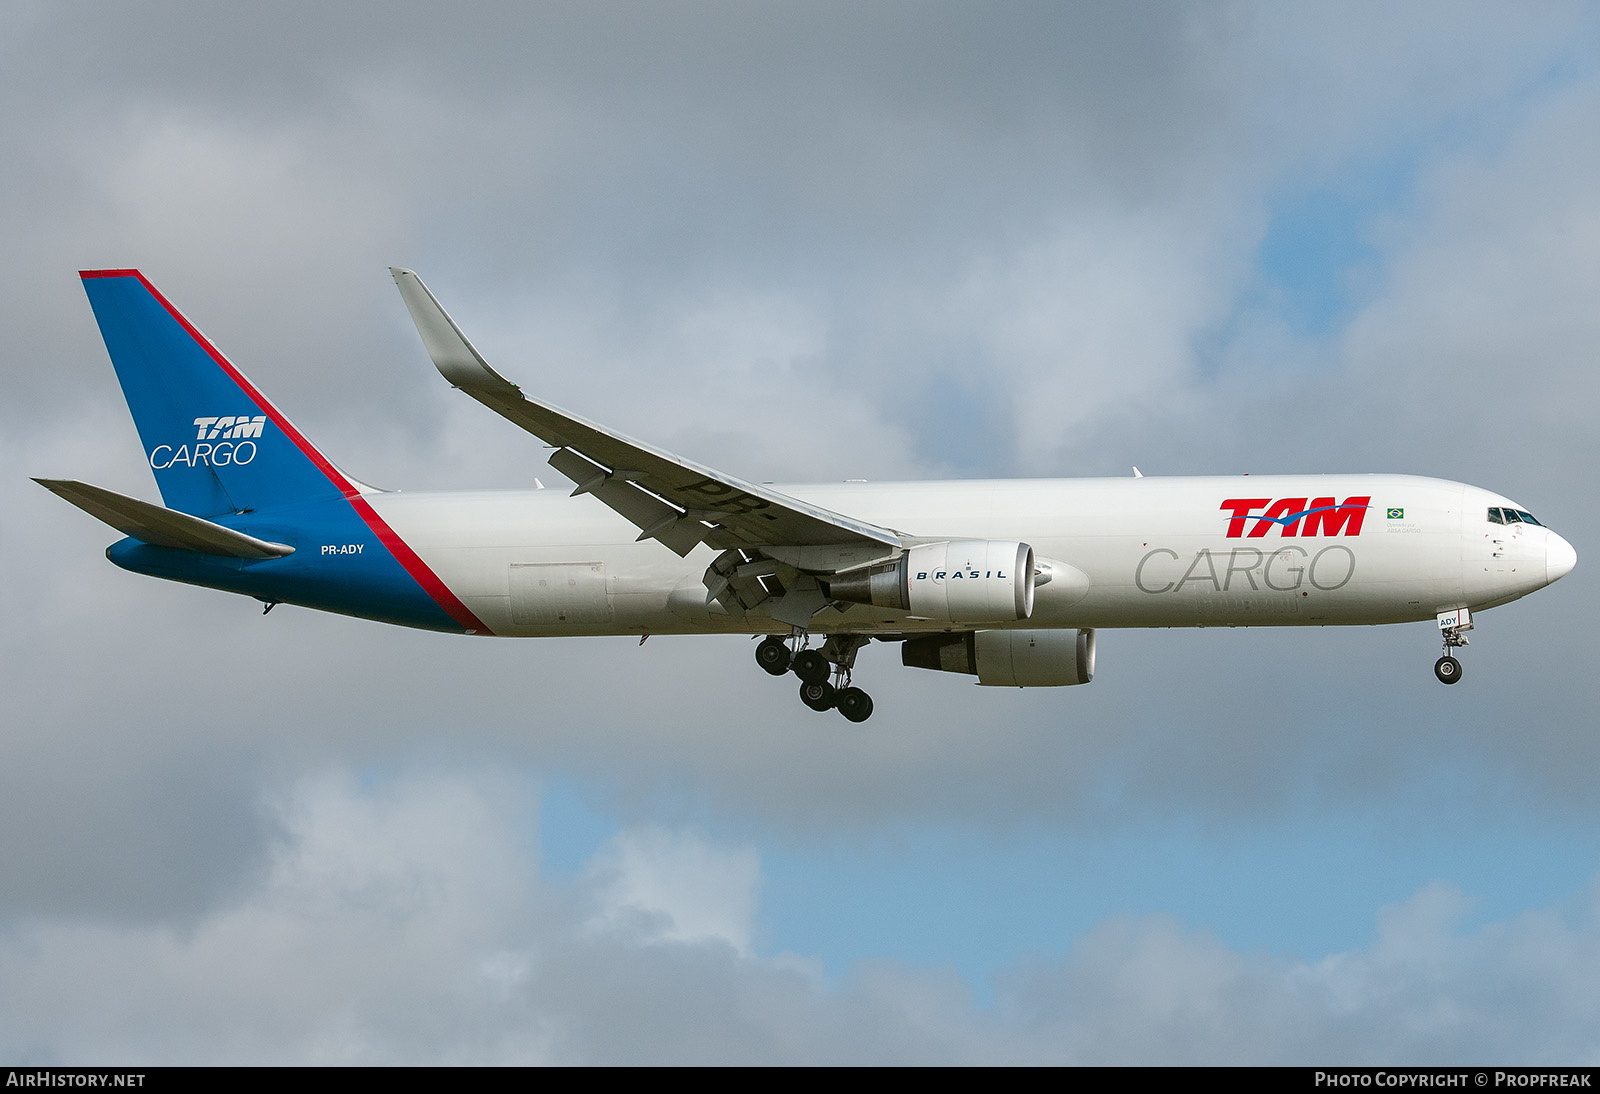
(236, 447)
(1320, 516)
(229, 428)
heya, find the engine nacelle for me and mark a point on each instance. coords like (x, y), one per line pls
(956, 581)
(1015, 659)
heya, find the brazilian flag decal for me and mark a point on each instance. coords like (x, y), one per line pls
(1397, 514)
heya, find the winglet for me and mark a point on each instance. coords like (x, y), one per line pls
(162, 527)
(452, 354)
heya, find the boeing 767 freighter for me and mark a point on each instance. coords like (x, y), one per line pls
(1005, 580)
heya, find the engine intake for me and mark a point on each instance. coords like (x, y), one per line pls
(1015, 659)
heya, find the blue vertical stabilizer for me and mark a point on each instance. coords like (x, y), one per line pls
(215, 443)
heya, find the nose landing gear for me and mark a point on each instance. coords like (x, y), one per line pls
(1453, 626)
(836, 658)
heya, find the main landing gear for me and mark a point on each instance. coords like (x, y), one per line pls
(1452, 627)
(814, 667)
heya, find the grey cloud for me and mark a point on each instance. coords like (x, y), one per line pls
(405, 919)
(1426, 991)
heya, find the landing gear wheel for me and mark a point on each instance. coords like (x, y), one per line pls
(773, 656)
(812, 667)
(1447, 669)
(854, 704)
(817, 694)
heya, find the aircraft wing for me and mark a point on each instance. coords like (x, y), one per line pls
(668, 498)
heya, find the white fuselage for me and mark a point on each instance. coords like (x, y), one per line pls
(1138, 552)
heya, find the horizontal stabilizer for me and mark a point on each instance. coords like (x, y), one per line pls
(161, 527)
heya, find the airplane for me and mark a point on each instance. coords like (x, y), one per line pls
(1008, 581)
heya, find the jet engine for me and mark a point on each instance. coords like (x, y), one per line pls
(956, 581)
(1016, 659)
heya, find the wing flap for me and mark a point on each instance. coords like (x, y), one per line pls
(654, 518)
(159, 526)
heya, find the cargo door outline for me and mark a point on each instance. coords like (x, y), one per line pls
(550, 594)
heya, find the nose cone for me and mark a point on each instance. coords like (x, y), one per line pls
(1559, 558)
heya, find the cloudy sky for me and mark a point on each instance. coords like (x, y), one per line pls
(801, 242)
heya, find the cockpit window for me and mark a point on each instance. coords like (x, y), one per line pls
(1498, 515)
